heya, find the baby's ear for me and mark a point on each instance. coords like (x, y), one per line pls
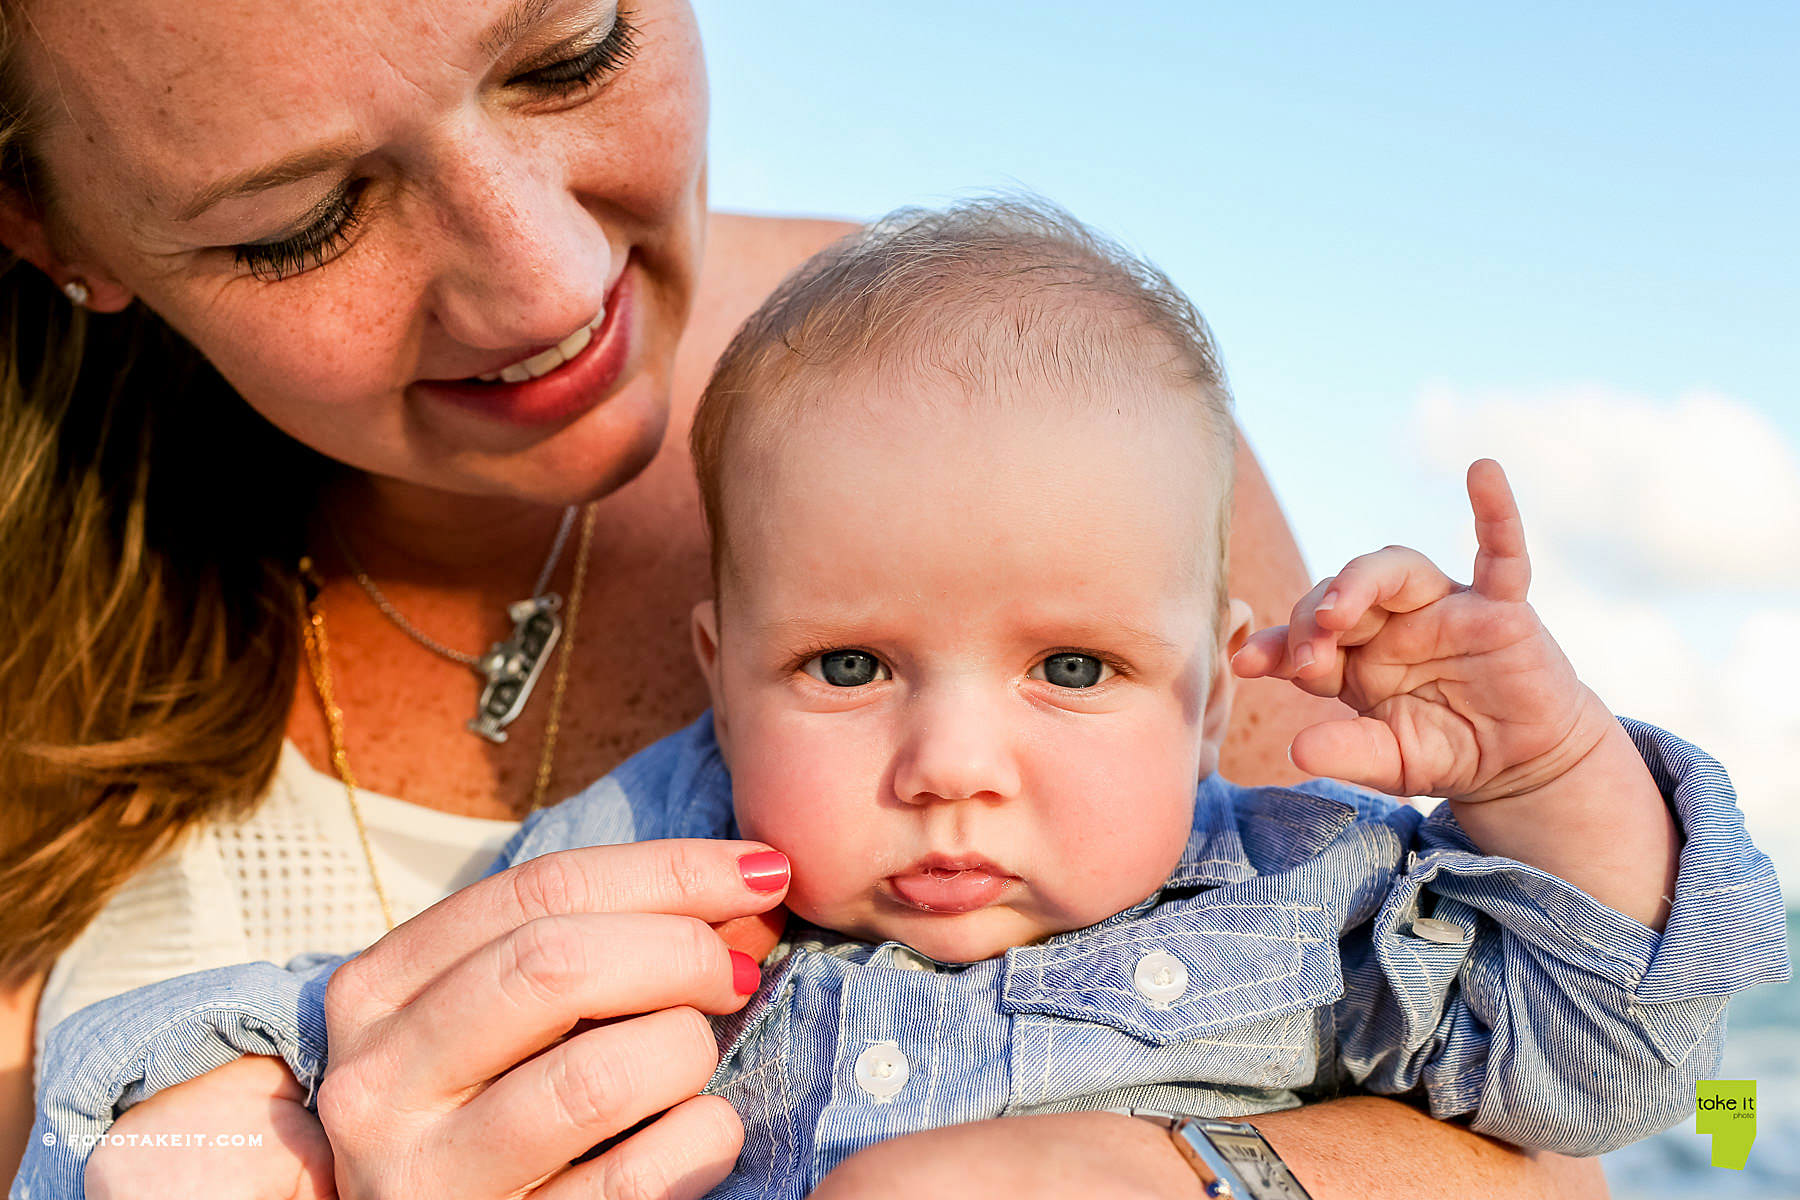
(1215, 722)
(704, 627)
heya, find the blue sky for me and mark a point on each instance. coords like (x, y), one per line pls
(1422, 233)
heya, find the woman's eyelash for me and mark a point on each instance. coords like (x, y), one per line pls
(318, 242)
(605, 57)
(321, 241)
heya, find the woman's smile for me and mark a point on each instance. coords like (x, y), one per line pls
(567, 379)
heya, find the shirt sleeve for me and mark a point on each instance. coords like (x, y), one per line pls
(1545, 1017)
(111, 1055)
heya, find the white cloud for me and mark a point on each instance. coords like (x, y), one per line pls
(1701, 492)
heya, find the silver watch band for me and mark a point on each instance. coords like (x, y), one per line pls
(1231, 1160)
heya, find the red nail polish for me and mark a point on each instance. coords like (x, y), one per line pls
(746, 976)
(764, 871)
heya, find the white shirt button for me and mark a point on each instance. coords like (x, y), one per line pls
(1160, 978)
(1444, 933)
(881, 1070)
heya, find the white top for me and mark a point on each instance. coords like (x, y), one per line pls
(289, 878)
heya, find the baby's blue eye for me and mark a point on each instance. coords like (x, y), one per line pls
(1072, 670)
(846, 668)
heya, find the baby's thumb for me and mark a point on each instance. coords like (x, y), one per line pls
(1360, 750)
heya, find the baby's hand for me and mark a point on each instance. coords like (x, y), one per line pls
(239, 1132)
(1461, 691)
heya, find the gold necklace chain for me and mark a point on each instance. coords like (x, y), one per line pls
(318, 660)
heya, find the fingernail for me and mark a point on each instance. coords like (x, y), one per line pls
(1303, 656)
(764, 871)
(1327, 602)
(746, 976)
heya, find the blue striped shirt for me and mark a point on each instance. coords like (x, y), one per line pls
(1284, 960)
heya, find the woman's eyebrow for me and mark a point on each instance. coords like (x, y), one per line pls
(514, 21)
(302, 164)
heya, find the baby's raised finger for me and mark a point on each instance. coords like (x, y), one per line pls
(1502, 568)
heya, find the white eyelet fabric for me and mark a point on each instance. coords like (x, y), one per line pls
(289, 879)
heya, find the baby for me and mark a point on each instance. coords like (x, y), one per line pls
(968, 479)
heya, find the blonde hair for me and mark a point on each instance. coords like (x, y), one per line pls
(149, 527)
(1008, 289)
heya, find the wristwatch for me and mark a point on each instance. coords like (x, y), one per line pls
(1232, 1160)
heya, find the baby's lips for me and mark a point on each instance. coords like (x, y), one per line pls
(756, 934)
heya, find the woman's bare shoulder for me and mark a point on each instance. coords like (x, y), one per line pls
(759, 251)
(746, 256)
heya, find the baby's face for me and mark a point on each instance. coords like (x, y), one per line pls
(962, 663)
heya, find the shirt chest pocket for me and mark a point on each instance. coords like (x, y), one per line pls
(1225, 993)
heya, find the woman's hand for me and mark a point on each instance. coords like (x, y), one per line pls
(482, 1046)
(457, 1069)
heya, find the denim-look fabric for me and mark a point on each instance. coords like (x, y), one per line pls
(1556, 1022)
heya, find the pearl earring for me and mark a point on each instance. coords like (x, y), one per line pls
(76, 291)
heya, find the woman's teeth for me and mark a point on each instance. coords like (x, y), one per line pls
(549, 360)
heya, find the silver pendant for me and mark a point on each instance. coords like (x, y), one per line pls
(511, 668)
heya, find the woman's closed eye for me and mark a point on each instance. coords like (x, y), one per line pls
(329, 230)
(1072, 670)
(846, 668)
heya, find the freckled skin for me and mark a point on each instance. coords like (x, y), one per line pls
(494, 229)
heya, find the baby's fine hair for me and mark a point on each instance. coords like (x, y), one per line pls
(988, 292)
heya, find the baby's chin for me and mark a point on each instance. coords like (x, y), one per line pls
(947, 937)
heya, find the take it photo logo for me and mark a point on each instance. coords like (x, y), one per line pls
(1726, 1108)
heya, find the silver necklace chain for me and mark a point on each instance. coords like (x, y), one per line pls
(413, 631)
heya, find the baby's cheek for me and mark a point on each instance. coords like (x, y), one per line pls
(1122, 830)
(827, 842)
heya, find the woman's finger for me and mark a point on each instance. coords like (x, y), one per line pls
(710, 880)
(559, 1105)
(526, 989)
(684, 1154)
(1502, 567)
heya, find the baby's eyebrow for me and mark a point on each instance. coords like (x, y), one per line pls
(1105, 631)
(1092, 633)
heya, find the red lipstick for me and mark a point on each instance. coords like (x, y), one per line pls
(575, 387)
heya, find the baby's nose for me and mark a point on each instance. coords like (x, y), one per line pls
(957, 754)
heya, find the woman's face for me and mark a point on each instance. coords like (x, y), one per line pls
(355, 209)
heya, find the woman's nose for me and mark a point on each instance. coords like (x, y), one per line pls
(522, 264)
(957, 749)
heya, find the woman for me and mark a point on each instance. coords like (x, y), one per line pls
(372, 223)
